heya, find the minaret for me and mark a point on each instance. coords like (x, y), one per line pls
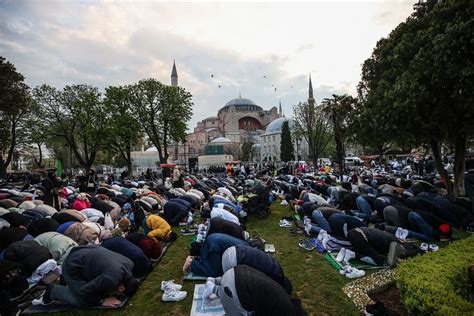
(279, 109)
(174, 76)
(310, 91)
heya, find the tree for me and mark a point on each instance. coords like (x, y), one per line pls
(163, 112)
(286, 144)
(15, 102)
(313, 124)
(123, 129)
(418, 85)
(339, 108)
(75, 114)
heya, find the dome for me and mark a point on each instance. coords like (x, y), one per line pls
(242, 105)
(152, 149)
(276, 125)
(221, 140)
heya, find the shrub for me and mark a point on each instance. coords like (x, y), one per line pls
(437, 283)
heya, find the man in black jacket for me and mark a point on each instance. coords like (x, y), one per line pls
(93, 275)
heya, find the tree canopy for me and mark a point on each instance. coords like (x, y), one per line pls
(417, 87)
(313, 124)
(15, 104)
(163, 111)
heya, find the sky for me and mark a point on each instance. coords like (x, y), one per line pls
(264, 50)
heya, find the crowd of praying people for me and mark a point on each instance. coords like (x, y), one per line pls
(103, 237)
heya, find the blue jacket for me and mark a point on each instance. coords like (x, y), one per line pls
(209, 263)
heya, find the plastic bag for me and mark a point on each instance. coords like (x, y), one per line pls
(108, 222)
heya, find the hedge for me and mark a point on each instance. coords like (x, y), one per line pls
(437, 283)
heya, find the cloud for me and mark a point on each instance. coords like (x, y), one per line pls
(116, 43)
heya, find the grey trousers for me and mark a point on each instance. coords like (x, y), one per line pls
(391, 217)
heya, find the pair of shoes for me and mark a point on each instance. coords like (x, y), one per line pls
(306, 244)
(351, 272)
(431, 247)
(401, 233)
(285, 223)
(296, 231)
(345, 255)
(172, 291)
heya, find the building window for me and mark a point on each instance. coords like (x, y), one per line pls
(273, 138)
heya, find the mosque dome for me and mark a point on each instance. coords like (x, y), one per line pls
(276, 125)
(241, 105)
(152, 149)
(221, 140)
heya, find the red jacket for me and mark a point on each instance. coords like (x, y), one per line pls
(80, 205)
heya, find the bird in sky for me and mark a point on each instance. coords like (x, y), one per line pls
(265, 77)
(212, 76)
(220, 86)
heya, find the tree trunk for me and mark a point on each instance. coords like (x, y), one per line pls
(459, 165)
(39, 161)
(436, 148)
(340, 157)
(3, 169)
(129, 161)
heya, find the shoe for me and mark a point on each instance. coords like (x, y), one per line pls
(393, 253)
(284, 202)
(424, 247)
(345, 269)
(348, 255)
(188, 232)
(296, 231)
(341, 255)
(321, 234)
(174, 296)
(285, 223)
(170, 285)
(433, 247)
(401, 233)
(306, 244)
(355, 273)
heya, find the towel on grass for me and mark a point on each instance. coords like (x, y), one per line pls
(204, 307)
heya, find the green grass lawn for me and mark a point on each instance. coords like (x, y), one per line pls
(315, 282)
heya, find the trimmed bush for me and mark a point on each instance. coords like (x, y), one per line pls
(437, 283)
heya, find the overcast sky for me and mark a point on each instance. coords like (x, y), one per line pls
(106, 43)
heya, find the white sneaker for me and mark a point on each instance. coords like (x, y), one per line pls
(285, 223)
(345, 270)
(401, 233)
(341, 255)
(349, 254)
(355, 273)
(174, 296)
(170, 285)
(321, 234)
